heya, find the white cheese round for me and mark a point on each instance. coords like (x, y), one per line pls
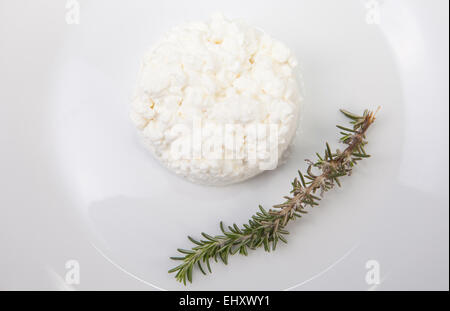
(217, 102)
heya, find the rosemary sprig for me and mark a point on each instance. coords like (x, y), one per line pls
(267, 228)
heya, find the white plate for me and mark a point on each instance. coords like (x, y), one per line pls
(78, 185)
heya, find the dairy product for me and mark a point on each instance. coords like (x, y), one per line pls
(217, 102)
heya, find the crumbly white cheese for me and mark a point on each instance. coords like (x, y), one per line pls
(209, 76)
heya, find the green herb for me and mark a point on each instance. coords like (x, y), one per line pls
(267, 228)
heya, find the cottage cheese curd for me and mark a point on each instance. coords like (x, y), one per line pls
(221, 86)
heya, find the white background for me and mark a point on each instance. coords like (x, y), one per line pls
(75, 183)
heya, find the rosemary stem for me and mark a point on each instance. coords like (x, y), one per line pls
(266, 228)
